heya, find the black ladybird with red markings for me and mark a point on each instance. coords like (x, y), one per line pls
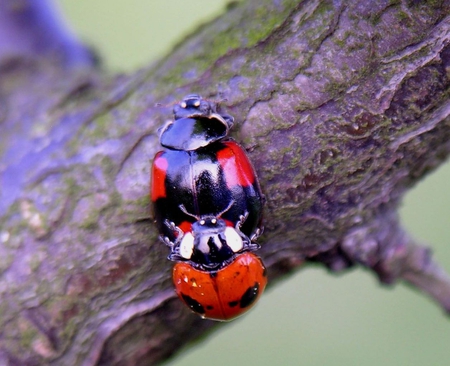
(205, 182)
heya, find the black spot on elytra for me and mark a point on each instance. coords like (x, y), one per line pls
(209, 307)
(249, 296)
(233, 303)
(194, 305)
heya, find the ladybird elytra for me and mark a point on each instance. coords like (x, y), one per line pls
(232, 291)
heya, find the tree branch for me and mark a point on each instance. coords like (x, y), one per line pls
(343, 106)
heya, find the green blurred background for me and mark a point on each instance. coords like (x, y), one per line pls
(311, 318)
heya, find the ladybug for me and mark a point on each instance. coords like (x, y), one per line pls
(222, 294)
(216, 181)
(196, 124)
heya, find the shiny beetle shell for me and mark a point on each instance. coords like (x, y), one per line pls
(225, 294)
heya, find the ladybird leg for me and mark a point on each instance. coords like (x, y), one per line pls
(241, 221)
(238, 225)
(258, 232)
(171, 225)
(248, 242)
(228, 119)
(174, 246)
(166, 241)
(175, 254)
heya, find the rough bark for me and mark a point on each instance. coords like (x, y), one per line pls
(342, 105)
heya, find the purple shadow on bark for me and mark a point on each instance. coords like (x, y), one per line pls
(34, 29)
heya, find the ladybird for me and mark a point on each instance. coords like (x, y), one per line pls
(223, 294)
(196, 124)
(217, 181)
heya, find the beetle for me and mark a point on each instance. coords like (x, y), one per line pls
(206, 181)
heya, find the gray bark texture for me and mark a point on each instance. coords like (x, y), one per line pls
(342, 105)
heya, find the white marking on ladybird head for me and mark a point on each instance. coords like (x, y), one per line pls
(197, 103)
(213, 221)
(234, 240)
(187, 246)
(183, 105)
(202, 222)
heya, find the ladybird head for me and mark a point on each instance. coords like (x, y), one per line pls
(196, 124)
(209, 224)
(211, 242)
(193, 105)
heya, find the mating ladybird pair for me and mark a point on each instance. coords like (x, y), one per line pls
(207, 206)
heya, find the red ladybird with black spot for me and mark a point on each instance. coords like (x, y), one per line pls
(223, 294)
(217, 275)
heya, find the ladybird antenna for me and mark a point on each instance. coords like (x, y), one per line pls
(221, 93)
(183, 209)
(219, 100)
(226, 209)
(171, 104)
(167, 105)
